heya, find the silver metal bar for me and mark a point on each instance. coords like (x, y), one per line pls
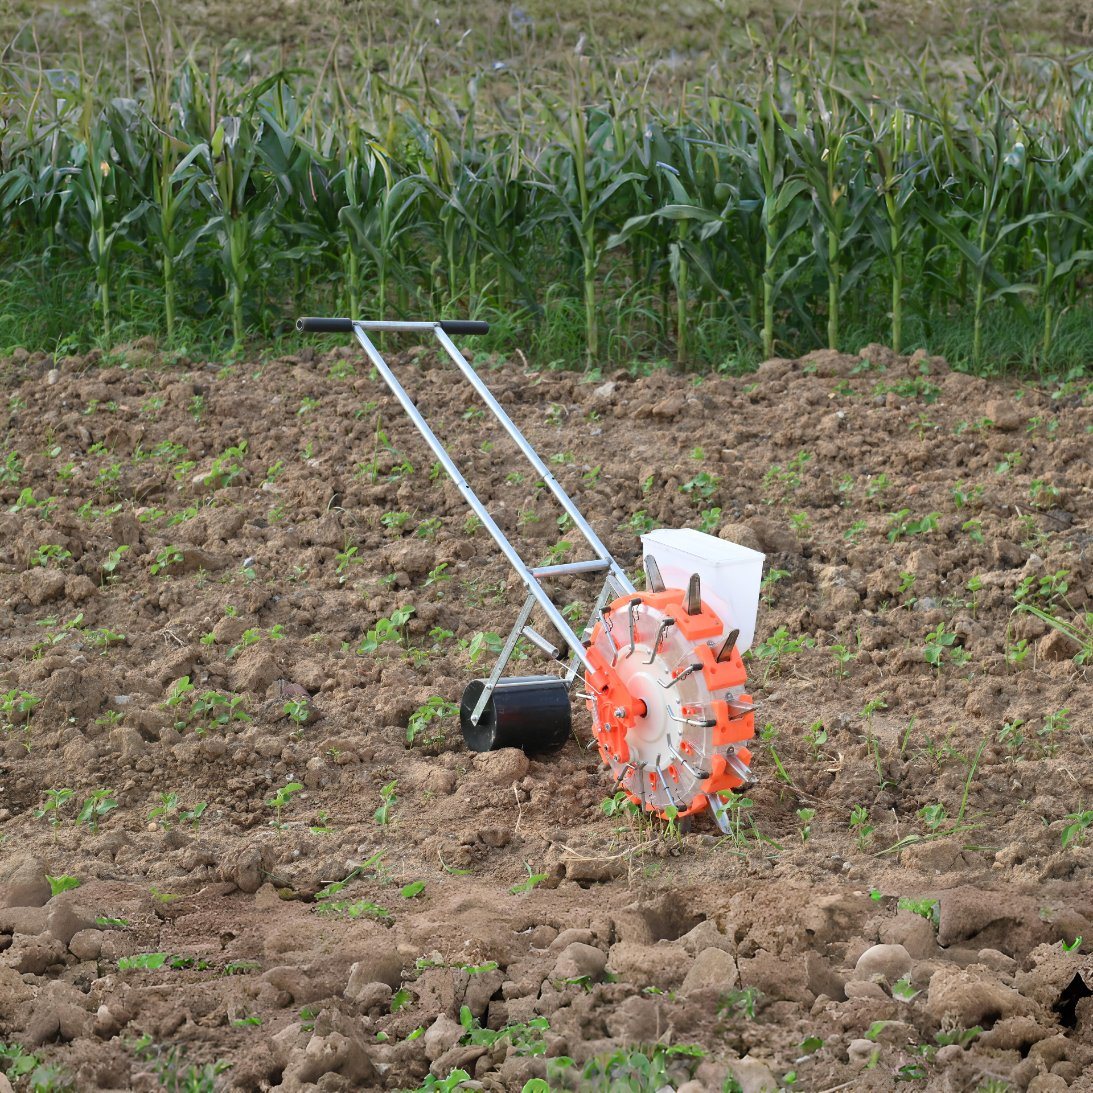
(685, 764)
(533, 458)
(631, 615)
(739, 769)
(661, 631)
(664, 782)
(591, 565)
(393, 324)
(503, 659)
(689, 670)
(601, 600)
(557, 619)
(541, 643)
(705, 724)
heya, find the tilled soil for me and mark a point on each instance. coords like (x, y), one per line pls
(903, 896)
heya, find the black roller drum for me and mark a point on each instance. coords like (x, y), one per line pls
(528, 712)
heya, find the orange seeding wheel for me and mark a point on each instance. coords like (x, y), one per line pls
(668, 706)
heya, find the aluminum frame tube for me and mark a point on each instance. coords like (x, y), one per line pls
(555, 616)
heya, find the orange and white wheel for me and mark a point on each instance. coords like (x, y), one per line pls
(666, 694)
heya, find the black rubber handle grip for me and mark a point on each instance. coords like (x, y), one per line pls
(311, 325)
(464, 326)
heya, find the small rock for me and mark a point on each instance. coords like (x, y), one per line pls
(23, 883)
(865, 988)
(997, 961)
(661, 965)
(706, 935)
(1047, 1083)
(86, 944)
(713, 969)
(42, 585)
(65, 920)
(1057, 646)
(1004, 414)
(913, 932)
(860, 1052)
(382, 966)
(963, 997)
(752, 1076)
(23, 920)
(668, 408)
(34, 955)
(255, 670)
(740, 534)
(502, 767)
(372, 996)
(889, 962)
(577, 961)
(440, 1036)
(568, 937)
(774, 538)
(637, 1021)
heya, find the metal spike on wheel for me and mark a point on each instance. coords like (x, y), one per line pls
(671, 718)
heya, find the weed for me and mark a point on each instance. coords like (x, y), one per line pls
(778, 647)
(532, 880)
(433, 709)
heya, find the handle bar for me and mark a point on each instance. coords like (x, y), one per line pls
(313, 325)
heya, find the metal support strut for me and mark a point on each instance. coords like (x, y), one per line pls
(616, 581)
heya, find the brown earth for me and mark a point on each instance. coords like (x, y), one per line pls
(258, 574)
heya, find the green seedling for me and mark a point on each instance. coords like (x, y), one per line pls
(929, 909)
(860, 826)
(412, 890)
(50, 554)
(1075, 831)
(1072, 946)
(56, 799)
(280, 799)
(941, 644)
(739, 1003)
(899, 526)
(167, 557)
(805, 816)
(145, 962)
(297, 709)
(532, 880)
(391, 629)
(95, 807)
(382, 815)
(168, 805)
(63, 883)
(422, 728)
(16, 708)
